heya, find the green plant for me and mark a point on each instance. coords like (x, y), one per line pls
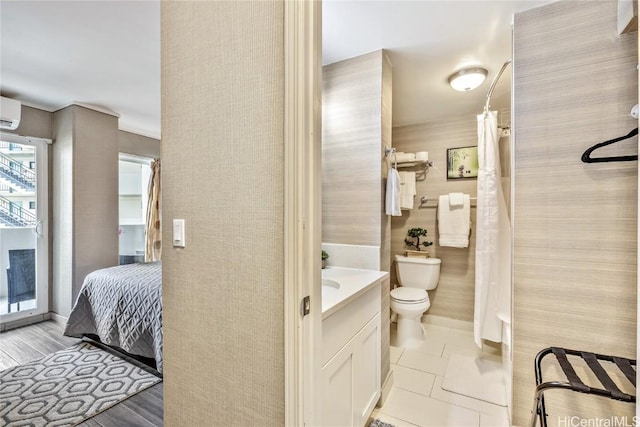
(415, 234)
(325, 255)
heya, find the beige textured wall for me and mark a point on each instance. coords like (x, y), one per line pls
(89, 137)
(34, 122)
(454, 295)
(85, 200)
(575, 224)
(222, 146)
(351, 150)
(62, 212)
(95, 193)
(356, 126)
(139, 145)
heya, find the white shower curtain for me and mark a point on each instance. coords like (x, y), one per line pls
(493, 239)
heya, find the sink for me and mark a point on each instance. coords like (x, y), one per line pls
(330, 283)
(329, 287)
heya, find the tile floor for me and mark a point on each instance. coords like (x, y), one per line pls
(417, 397)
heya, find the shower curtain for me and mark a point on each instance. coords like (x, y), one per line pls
(493, 238)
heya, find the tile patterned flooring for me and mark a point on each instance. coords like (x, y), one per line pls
(417, 397)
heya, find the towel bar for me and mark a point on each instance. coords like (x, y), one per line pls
(424, 200)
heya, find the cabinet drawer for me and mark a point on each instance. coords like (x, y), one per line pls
(344, 324)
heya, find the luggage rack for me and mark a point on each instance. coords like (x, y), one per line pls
(610, 390)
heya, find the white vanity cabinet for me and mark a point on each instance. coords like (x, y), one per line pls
(351, 360)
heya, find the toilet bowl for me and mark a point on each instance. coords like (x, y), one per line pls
(411, 300)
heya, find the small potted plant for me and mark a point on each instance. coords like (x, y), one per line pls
(325, 257)
(413, 241)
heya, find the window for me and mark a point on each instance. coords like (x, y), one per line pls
(32, 165)
(32, 205)
(134, 173)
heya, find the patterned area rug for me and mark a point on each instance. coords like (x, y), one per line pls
(67, 387)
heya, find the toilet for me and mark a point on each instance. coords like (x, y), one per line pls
(410, 300)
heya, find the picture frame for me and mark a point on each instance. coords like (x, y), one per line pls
(462, 162)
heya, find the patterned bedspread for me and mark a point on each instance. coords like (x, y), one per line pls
(123, 306)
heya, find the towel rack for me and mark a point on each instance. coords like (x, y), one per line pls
(426, 164)
(424, 200)
(423, 164)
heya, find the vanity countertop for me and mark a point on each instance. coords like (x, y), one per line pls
(353, 283)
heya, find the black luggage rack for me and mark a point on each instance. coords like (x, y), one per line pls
(610, 390)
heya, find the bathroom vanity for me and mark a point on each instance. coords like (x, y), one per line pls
(350, 345)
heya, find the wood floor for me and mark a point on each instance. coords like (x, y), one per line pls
(22, 345)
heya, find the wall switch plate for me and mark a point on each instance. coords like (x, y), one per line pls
(178, 233)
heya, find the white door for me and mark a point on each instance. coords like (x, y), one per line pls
(23, 228)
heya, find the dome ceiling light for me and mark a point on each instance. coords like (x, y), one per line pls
(467, 79)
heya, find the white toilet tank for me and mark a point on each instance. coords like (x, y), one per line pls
(420, 273)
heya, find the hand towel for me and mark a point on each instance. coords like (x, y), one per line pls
(392, 202)
(454, 223)
(456, 200)
(407, 189)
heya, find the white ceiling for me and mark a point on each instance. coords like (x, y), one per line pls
(107, 53)
(104, 53)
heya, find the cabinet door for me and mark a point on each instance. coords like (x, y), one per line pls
(337, 389)
(366, 356)
(351, 379)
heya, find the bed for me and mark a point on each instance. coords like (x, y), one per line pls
(122, 306)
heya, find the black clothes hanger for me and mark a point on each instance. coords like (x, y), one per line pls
(586, 156)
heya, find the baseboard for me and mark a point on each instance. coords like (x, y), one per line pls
(58, 318)
(7, 326)
(386, 388)
(447, 322)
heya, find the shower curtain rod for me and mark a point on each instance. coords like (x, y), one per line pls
(493, 84)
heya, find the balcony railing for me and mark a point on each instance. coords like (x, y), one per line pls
(10, 146)
(17, 174)
(14, 215)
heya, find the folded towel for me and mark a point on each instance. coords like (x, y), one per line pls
(405, 157)
(407, 189)
(456, 200)
(392, 202)
(454, 223)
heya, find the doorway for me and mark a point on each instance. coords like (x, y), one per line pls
(23, 228)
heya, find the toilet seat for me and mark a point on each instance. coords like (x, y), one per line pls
(409, 295)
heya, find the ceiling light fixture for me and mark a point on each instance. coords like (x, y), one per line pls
(467, 79)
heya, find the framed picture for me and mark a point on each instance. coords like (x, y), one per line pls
(462, 162)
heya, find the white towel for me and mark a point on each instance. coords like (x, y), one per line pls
(407, 189)
(454, 223)
(404, 157)
(392, 202)
(456, 200)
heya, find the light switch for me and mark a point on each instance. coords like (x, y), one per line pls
(178, 233)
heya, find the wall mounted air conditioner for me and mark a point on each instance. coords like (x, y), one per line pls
(9, 113)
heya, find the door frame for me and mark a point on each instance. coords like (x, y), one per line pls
(303, 214)
(42, 213)
(638, 250)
